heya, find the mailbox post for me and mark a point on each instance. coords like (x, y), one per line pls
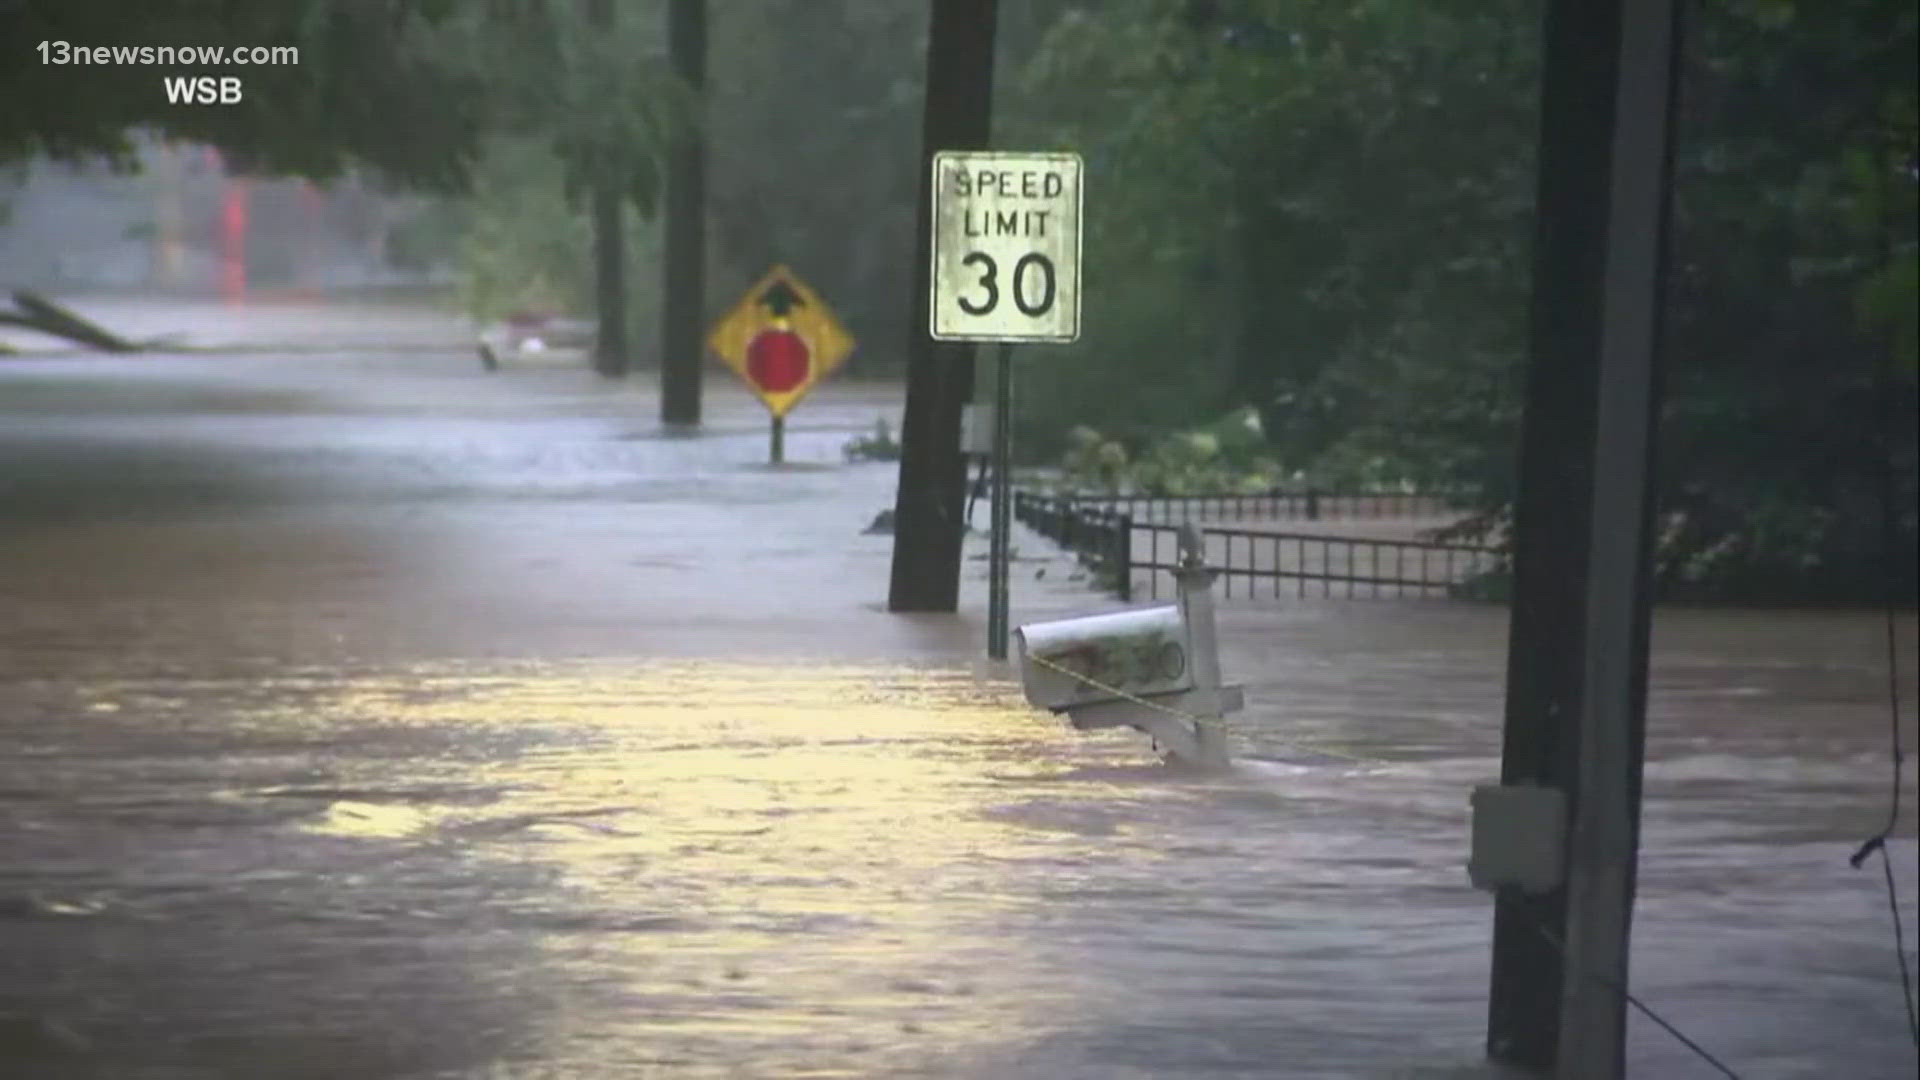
(1156, 669)
(1195, 580)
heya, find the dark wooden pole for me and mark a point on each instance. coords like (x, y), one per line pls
(683, 312)
(1576, 662)
(931, 501)
(609, 250)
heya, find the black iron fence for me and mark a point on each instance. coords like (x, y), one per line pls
(1102, 538)
(1126, 552)
(1276, 505)
(1253, 564)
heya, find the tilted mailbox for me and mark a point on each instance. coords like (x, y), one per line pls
(1155, 669)
(1075, 662)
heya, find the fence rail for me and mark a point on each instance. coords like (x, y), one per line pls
(1126, 551)
(1279, 504)
(1254, 565)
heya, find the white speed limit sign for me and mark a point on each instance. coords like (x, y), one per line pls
(1006, 246)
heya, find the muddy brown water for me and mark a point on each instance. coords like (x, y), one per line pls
(366, 716)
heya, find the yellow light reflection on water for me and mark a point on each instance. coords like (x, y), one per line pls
(764, 868)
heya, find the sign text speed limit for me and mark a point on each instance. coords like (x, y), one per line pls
(1006, 247)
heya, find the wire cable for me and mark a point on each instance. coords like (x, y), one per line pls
(1890, 541)
(1626, 995)
(1704, 1054)
(1878, 841)
(1890, 544)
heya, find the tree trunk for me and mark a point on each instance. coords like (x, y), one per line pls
(683, 311)
(609, 253)
(931, 501)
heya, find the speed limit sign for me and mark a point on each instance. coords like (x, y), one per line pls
(1006, 247)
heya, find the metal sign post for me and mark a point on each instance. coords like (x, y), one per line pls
(1006, 268)
(999, 544)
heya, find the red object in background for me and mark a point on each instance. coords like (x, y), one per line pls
(233, 240)
(778, 360)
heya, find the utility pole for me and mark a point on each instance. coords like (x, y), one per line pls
(931, 501)
(1577, 657)
(685, 281)
(609, 248)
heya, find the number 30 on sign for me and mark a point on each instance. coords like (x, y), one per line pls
(1006, 247)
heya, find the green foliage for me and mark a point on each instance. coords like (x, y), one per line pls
(525, 245)
(412, 89)
(369, 88)
(813, 115)
(594, 86)
(1293, 199)
(1228, 455)
(1323, 210)
(1793, 301)
(879, 446)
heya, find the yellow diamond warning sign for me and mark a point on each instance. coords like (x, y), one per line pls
(782, 339)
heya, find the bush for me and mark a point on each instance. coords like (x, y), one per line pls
(1226, 456)
(879, 446)
(524, 245)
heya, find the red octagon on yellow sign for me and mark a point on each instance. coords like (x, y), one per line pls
(781, 339)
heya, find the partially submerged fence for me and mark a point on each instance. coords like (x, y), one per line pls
(1138, 545)
(1309, 505)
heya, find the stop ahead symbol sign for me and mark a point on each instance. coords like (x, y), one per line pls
(778, 359)
(781, 339)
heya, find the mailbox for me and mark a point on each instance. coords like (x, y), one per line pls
(1153, 669)
(1073, 662)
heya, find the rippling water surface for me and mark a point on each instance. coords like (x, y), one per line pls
(716, 869)
(439, 728)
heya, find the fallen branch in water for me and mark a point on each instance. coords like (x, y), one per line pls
(40, 314)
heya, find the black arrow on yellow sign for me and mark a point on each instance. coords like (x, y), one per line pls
(780, 299)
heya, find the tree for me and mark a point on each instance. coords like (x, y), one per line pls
(1323, 210)
(417, 91)
(1286, 175)
(683, 327)
(813, 129)
(928, 522)
(609, 253)
(369, 87)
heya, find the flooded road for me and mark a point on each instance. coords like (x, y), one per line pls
(362, 715)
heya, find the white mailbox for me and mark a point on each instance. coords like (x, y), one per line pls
(1072, 662)
(1154, 669)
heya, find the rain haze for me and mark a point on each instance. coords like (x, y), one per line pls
(961, 539)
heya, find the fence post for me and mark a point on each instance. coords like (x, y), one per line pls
(1313, 505)
(1123, 556)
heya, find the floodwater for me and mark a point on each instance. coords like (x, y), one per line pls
(363, 715)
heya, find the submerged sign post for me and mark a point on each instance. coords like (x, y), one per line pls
(1006, 268)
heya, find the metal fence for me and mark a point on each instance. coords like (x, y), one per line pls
(1102, 538)
(1254, 565)
(1276, 505)
(1125, 551)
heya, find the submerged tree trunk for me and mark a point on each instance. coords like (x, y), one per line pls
(685, 282)
(609, 286)
(933, 474)
(609, 252)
